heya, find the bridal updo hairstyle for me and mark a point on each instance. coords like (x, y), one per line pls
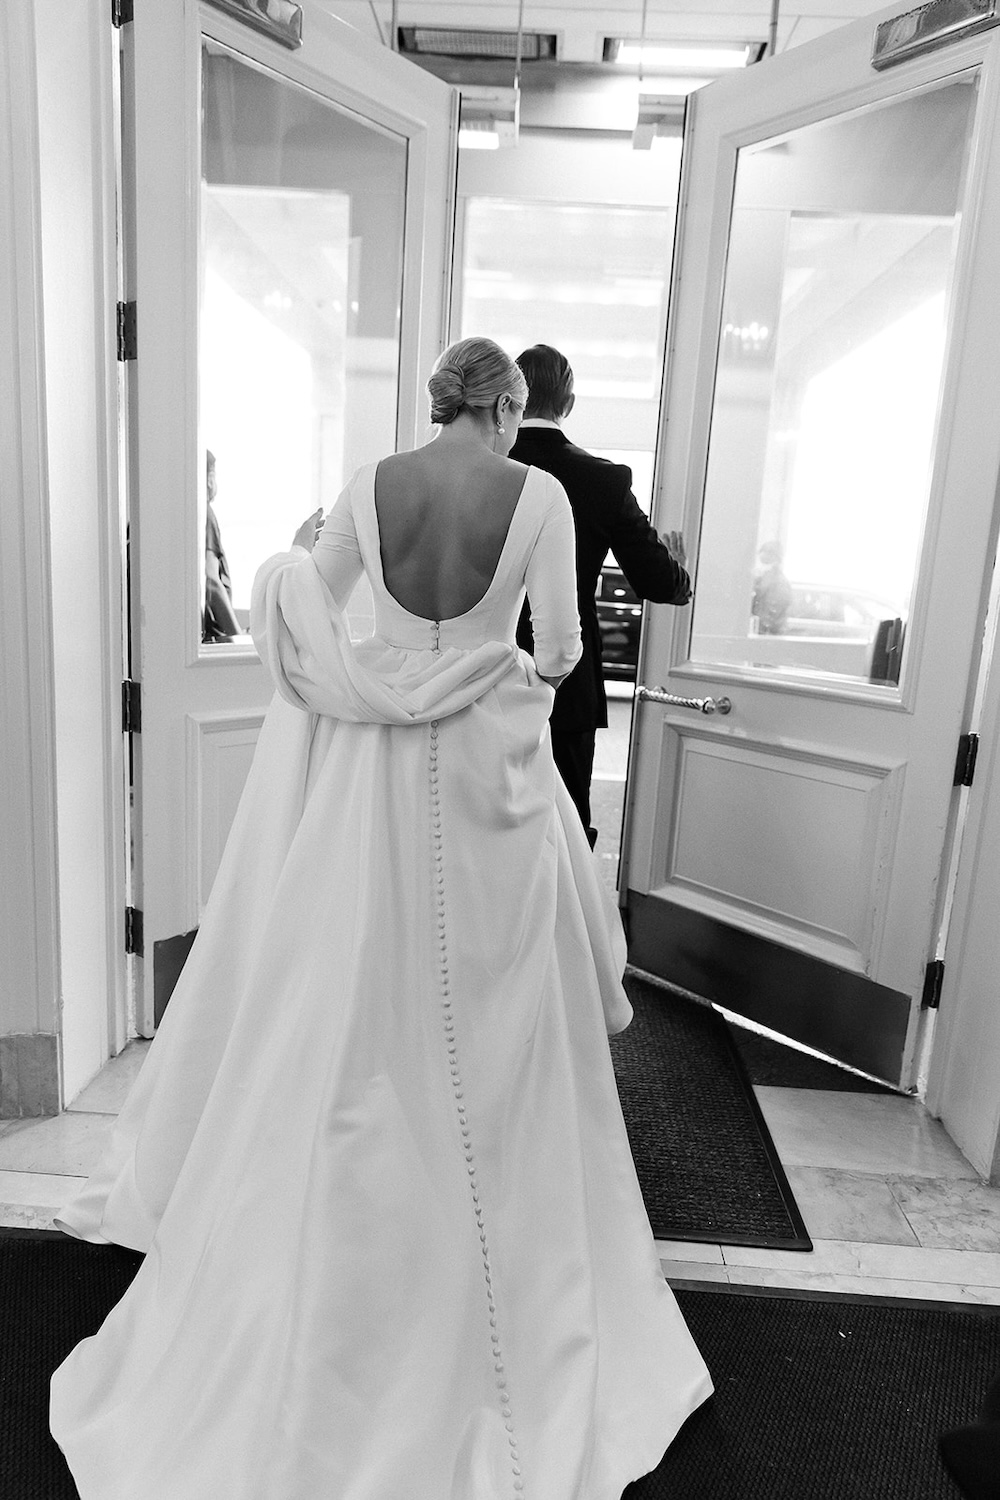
(471, 376)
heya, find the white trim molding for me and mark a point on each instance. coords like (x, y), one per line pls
(30, 1010)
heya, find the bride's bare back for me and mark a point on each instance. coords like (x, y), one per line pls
(443, 517)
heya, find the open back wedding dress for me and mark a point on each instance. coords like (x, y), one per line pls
(395, 1246)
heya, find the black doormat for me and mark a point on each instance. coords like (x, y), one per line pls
(817, 1395)
(56, 1291)
(826, 1397)
(771, 1063)
(705, 1159)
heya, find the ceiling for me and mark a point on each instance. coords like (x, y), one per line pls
(581, 28)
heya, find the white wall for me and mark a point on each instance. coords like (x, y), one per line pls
(73, 45)
(29, 961)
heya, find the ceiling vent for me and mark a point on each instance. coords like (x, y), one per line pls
(452, 41)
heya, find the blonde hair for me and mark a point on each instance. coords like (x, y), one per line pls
(472, 375)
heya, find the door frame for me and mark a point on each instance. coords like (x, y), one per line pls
(164, 444)
(963, 1065)
(68, 68)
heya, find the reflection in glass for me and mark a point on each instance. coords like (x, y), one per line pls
(835, 314)
(301, 262)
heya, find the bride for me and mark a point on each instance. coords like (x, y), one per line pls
(394, 1244)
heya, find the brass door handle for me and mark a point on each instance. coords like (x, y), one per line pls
(701, 705)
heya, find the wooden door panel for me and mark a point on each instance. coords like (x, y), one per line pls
(833, 319)
(291, 222)
(747, 818)
(220, 748)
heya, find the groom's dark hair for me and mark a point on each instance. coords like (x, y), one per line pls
(550, 381)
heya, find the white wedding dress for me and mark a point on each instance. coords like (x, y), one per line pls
(395, 1246)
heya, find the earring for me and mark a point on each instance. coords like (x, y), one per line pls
(500, 427)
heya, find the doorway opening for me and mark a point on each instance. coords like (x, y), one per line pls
(571, 245)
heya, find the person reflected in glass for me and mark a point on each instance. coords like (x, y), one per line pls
(772, 592)
(607, 517)
(219, 622)
(395, 1244)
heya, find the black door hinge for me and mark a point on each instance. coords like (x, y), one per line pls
(133, 931)
(121, 12)
(965, 761)
(131, 707)
(127, 345)
(933, 980)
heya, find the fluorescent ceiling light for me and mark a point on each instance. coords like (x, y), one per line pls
(478, 140)
(677, 55)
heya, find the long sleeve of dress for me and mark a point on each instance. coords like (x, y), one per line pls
(550, 578)
(337, 553)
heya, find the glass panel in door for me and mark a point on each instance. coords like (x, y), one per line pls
(830, 365)
(303, 209)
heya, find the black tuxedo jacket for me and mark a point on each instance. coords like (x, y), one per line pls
(608, 518)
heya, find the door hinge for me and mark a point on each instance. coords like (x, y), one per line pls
(965, 761)
(131, 707)
(121, 12)
(133, 931)
(127, 345)
(933, 980)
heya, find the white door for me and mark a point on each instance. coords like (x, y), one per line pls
(830, 442)
(292, 235)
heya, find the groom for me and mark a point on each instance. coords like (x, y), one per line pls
(607, 516)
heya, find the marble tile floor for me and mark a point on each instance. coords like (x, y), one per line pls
(44, 1162)
(892, 1206)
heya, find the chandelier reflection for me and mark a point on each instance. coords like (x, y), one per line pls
(747, 339)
